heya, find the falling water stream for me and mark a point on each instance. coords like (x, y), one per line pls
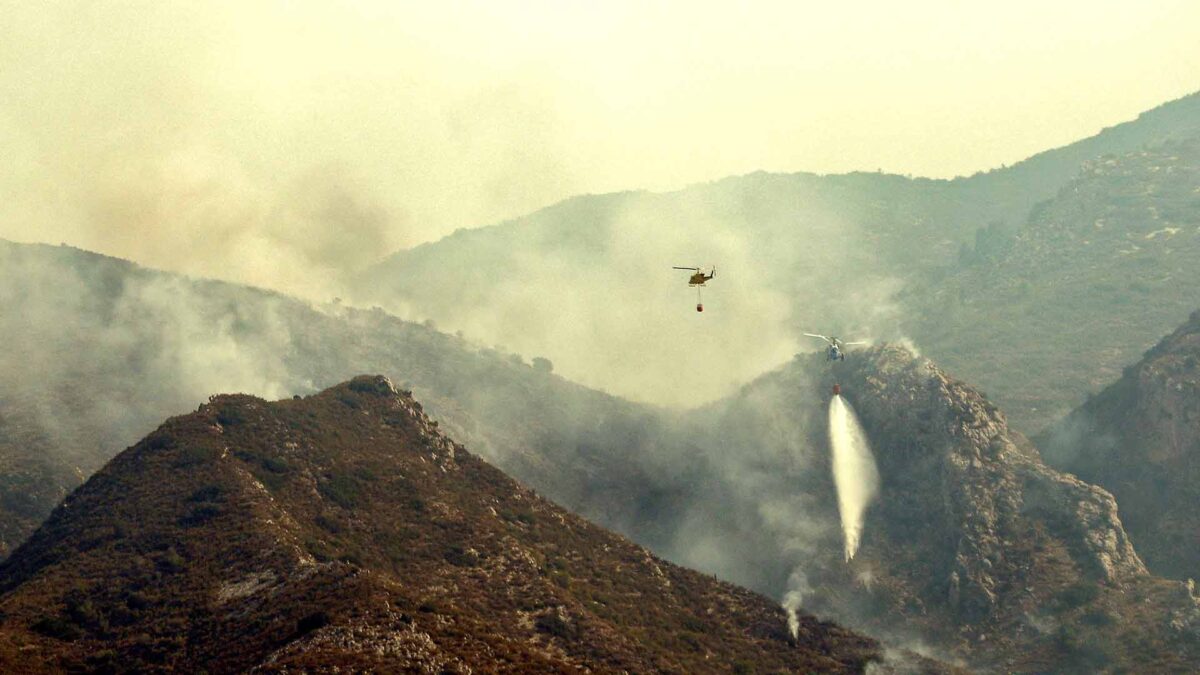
(854, 472)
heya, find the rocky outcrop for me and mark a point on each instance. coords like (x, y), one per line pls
(974, 546)
(1140, 439)
(1086, 519)
(948, 455)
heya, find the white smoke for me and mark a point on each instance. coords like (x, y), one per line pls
(908, 343)
(854, 472)
(797, 588)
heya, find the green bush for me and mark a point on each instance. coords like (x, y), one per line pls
(460, 557)
(170, 561)
(57, 628)
(275, 464)
(193, 455)
(199, 516)
(230, 415)
(1078, 594)
(209, 493)
(328, 524)
(341, 488)
(557, 625)
(160, 441)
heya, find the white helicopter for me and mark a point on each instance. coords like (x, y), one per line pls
(837, 348)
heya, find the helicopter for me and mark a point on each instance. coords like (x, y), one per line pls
(698, 280)
(837, 348)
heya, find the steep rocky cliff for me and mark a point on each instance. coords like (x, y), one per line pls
(1140, 439)
(974, 547)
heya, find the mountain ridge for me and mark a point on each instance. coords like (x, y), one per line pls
(275, 523)
(845, 254)
(1117, 138)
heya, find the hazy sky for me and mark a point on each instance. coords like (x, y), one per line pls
(256, 140)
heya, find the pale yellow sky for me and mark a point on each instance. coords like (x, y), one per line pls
(243, 139)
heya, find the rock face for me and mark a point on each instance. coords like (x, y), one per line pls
(343, 529)
(1140, 439)
(974, 548)
(999, 543)
(951, 456)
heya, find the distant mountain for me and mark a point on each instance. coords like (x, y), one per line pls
(1038, 178)
(1140, 439)
(587, 282)
(1045, 314)
(343, 530)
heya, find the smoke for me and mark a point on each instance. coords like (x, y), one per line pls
(1076, 437)
(291, 149)
(588, 284)
(280, 147)
(797, 588)
(854, 472)
(99, 353)
(202, 211)
(908, 343)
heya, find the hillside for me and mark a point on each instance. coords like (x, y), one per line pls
(32, 480)
(587, 282)
(739, 489)
(343, 529)
(99, 350)
(1097, 275)
(1039, 177)
(974, 549)
(1140, 439)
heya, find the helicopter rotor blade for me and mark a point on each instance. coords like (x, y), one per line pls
(694, 269)
(827, 339)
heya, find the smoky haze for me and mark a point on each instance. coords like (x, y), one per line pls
(284, 145)
(99, 351)
(589, 284)
(293, 147)
(259, 145)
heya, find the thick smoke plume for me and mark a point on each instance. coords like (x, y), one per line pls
(854, 472)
